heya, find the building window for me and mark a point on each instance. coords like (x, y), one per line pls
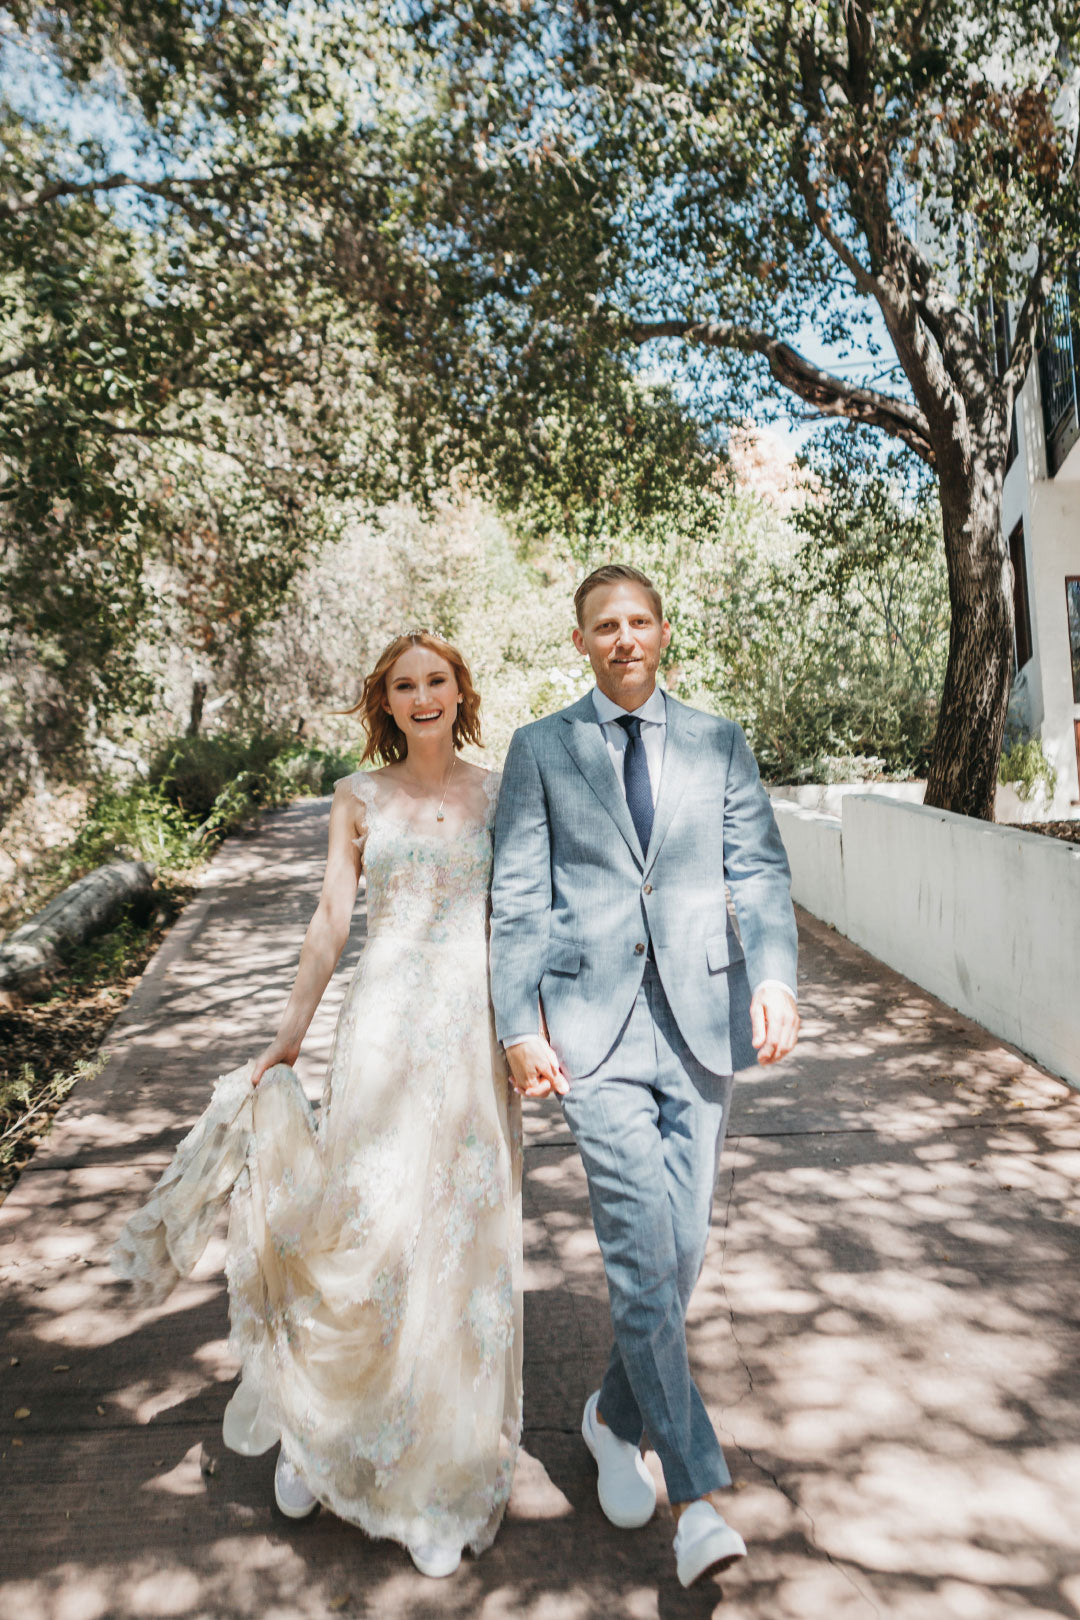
(1022, 647)
(1072, 601)
(1059, 370)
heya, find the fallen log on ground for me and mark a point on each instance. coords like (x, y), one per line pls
(32, 956)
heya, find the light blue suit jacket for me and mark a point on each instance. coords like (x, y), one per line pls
(575, 899)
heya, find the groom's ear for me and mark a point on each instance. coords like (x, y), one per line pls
(665, 633)
(578, 640)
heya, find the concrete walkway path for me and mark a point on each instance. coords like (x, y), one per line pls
(885, 1333)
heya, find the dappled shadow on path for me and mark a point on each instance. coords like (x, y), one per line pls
(888, 1357)
(883, 1332)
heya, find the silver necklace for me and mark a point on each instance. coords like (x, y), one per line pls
(439, 812)
(439, 816)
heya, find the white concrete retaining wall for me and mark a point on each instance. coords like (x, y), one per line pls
(813, 844)
(985, 917)
(828, 797)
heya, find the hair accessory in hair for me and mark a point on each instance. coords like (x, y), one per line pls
(428, 630)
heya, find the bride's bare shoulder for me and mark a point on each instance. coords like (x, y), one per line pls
(474, 773)
(355, 795)
(480, 777)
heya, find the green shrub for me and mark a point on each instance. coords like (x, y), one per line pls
(194, 772)
(218, 782)
(826, 726)
(135, 820)
(1025, 765)
(303, 769)
(198, 790)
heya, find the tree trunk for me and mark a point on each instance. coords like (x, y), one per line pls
(198, 698)
(33, 954)
(978, 678)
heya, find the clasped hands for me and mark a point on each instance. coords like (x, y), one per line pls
(535, 1070)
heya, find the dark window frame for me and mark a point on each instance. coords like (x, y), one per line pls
(1023, 642)
(1072, 625)
(1059, 368)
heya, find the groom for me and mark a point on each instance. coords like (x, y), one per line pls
(620, 984)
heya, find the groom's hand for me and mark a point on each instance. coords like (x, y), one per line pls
(774, 1020)
(535, 1070)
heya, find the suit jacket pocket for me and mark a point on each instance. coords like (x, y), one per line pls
(562, 956)
(721, 951)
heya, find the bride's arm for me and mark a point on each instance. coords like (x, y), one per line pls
(326, 937)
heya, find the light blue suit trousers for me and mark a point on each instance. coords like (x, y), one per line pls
(650, 1123)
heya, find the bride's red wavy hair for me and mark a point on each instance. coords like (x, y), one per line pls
(385, 743)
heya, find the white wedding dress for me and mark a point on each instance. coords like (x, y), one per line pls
(374, 1257)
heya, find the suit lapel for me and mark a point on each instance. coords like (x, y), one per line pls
(682, 729)
(584, 739)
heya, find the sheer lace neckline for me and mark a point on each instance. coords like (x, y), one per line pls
(376, 794)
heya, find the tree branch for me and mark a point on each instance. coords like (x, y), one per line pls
(918, 29)
(1027, 322)
(829, 395)
(859, 27)
(864, 279)
(118, 430)
(170, 189)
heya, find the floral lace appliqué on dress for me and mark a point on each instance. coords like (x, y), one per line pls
(374, 1259)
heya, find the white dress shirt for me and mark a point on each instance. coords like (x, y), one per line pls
(653, 717)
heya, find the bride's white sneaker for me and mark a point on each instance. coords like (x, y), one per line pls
(431, 1559)
(623, 1483)
(290, 1493)
(704, 1541)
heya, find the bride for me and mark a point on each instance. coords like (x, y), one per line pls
(374, 1258)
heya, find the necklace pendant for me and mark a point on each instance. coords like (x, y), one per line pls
(439, 816)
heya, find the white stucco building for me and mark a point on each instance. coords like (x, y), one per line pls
(1042, 522)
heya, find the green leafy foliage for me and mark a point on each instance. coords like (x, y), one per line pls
(199, 789)
(190, 378)
(842, 676)
(265, 270)
(1024, 764)
(824, 629)
(129, 820)
(708, 187)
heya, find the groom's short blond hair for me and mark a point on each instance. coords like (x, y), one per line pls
(613, 574)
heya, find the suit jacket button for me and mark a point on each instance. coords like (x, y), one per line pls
(648, 888)
(639, 950)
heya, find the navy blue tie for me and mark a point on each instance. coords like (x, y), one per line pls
(636, 779)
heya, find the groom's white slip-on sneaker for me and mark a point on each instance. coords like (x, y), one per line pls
(290, 1493)
(431, 1559)
(704, 1542)
(623, 1483)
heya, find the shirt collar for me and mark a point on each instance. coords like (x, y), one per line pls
(653, 712)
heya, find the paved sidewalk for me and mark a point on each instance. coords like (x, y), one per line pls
(885, 1333)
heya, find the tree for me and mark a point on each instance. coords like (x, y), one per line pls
(216, 343)
(872, 547)
(721, 176)
(185, 338)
